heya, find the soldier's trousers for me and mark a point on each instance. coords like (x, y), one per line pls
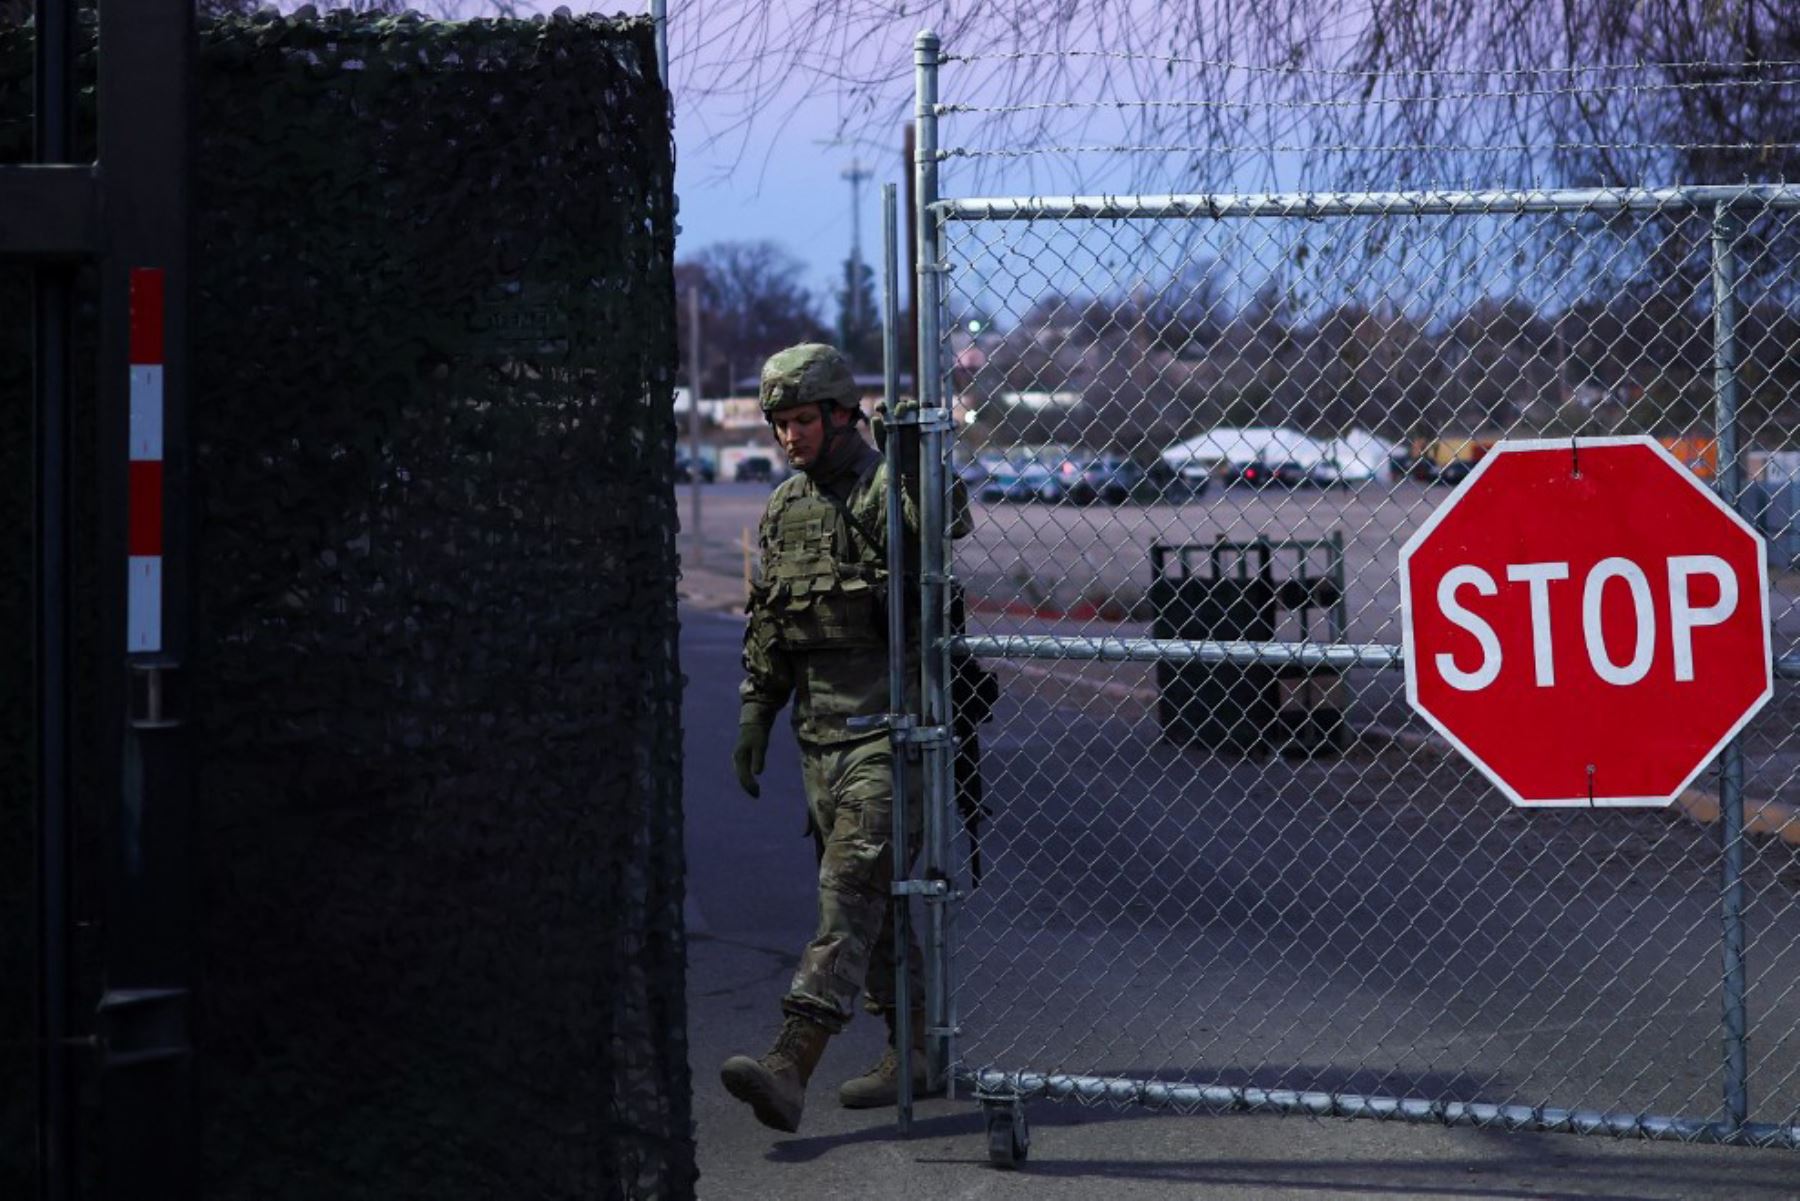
(849, 791)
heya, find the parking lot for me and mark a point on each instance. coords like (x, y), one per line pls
(1087, 569)
(1376, 921)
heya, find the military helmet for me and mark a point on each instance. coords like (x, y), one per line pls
(810, 373)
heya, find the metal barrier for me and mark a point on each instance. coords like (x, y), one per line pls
(1237, 596)
(1205, 926)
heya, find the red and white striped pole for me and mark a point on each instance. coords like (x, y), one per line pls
(143, 605)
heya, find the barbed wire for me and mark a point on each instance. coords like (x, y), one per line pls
(1362, 148)
(1359, 103)
(1346, 73)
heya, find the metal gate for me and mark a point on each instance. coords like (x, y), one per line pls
(1224, 867)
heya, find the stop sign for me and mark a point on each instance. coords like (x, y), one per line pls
(1588, 623)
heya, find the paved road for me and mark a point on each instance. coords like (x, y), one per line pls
(751, 908)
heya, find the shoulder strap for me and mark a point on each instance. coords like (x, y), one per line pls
(869, 541)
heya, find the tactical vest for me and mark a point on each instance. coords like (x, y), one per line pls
(825, 591)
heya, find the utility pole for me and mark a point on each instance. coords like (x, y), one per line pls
(858, 175)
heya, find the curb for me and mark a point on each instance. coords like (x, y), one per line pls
(1080, 611)
(1770, 818)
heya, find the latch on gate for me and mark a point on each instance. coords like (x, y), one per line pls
(921, 888)
(929, 420)
(144, 1026)
(903, 727)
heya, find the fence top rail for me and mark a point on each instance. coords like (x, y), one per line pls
(1347, 204)
(1187, 650)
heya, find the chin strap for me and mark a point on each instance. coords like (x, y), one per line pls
(834, 434)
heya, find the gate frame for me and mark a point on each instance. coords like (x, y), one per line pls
(1002, 1093)
(130, 209)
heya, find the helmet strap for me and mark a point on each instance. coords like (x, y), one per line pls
(833, 433)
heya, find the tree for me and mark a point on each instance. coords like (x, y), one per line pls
(1390, 89)
(859, 317)
(752, 304)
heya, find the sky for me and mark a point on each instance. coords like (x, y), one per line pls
(774, 172)
(770, 174)
(787, 189)
(777, 173)
(761, 114)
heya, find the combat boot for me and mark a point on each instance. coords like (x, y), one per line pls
(880, 1085)
(775, 1086)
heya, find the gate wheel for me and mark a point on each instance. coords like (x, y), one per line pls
(1008, 1137)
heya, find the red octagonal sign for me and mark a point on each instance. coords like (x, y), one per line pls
(1587, 622)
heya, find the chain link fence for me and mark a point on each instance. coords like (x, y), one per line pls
(1226, 865)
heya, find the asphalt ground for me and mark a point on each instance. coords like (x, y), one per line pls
(1165, 935)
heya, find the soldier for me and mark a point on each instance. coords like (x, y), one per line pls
(817, 636)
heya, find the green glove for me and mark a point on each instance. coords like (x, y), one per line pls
(748, 755)
(879, 423)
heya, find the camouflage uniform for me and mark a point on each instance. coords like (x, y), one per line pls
(817, 636)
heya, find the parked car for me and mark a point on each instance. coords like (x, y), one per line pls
(1448, 459)
(1114, 479)
(980, 469)
(1256, 473)
(1454, 472)
(684, 470)
(1030, 480)
(1171, 486)
(755, 469)
(1191, 480)
(1426, 471)
(1287, 474)
(1066, 467)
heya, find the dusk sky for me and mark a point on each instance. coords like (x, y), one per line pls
(775, 171)
(782, 183)
(775, 98)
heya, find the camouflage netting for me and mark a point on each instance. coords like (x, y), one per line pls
(435, 613)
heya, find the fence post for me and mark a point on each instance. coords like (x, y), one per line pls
(659, 15)
(52, 324)
(898, 598)
(1725, 231)
(934, 597)
(148, 1140)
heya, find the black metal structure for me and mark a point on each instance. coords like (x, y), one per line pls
(148, 1134)
(126, 211)
(53, 295)
(347, 568)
